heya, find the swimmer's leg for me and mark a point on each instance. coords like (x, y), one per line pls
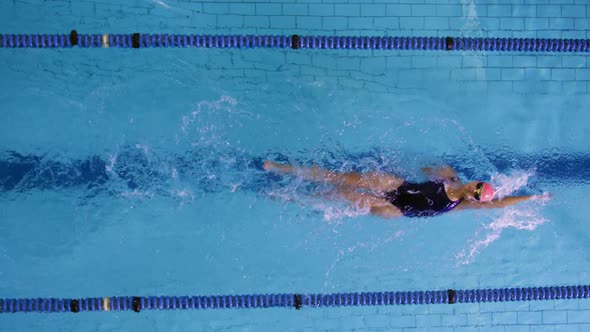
(378, 182)
(376, 205)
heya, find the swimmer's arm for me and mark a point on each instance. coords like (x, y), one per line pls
(447, 173)
(507, 201)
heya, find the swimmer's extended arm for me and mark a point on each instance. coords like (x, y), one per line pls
(447, 173)
(507, 201)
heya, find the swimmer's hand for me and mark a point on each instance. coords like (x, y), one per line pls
(545, 197)
(271, 166)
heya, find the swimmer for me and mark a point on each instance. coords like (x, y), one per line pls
(389, 196)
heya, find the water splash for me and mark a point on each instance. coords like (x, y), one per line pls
(507, 184)
(518, 218)
(524, 217)
(112, 160)
(203, 122)
(335, 214)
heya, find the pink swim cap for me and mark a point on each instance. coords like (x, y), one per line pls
(484, 192)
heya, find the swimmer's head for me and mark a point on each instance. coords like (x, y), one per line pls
(479, 191)
(484, 192)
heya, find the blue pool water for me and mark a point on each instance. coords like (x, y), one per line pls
(126, 172)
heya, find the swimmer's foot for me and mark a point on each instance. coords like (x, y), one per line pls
(271, 166)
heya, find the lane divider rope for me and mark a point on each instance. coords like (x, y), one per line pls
(139, 40)
(294, 301)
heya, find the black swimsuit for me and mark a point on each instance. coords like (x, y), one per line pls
(421, 199)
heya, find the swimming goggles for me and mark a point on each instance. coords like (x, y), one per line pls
(478, 190)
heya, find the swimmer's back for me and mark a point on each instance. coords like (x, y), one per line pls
(424, 199)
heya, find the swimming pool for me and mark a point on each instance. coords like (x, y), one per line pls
(138, 171)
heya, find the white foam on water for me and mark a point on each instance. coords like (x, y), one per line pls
(507, 184)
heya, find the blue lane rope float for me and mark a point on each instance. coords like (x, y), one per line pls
(296, 301)
(137, 40)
